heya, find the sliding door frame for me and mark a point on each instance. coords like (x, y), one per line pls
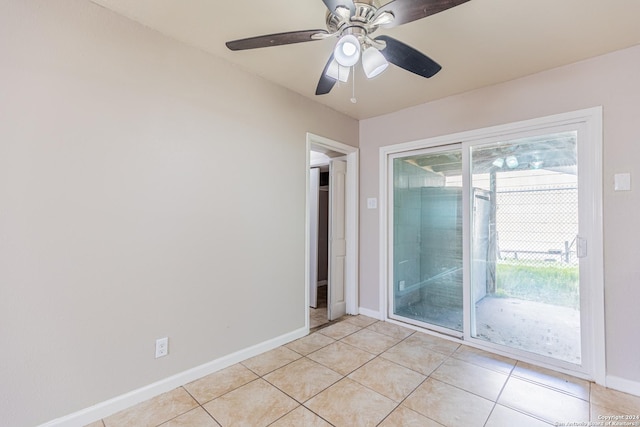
(589, 121)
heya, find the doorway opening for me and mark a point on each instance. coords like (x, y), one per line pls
(331, 285)
(319, 192)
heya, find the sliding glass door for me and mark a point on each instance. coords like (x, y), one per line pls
(525, 266)
(427, 238)
(487, 241)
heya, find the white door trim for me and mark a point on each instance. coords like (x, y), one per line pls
(313, 198)
(591, 118)
(351, 280)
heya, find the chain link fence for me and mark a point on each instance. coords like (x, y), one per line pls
(537, 225)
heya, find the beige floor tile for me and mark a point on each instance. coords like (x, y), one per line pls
(301, 417)
(616, 401)
(341, 357)
(339, 330)
(602, 414)
(271, 360)
(370, 341)
(314, 321)
(361, 321)
(221, 382)
(472, 378)
(484, 359)
(388, 378)
(430, 342)
(542, 402)
(416, 357)
(598, 412)
(405, 417)
(319, 313)
(195, 418)
(502, 416)
(155, 411)
(310, 343)
(303, 379)
(562, 382)
(255, 404)
(349, 404)
(98, 423)
(449, 405)
(391, 330)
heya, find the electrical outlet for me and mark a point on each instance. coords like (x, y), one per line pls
(162, 347)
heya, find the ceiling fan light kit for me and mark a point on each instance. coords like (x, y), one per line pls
(512, 162)
(353, 23)
(373, 62)
(338, 72)
(347, 51)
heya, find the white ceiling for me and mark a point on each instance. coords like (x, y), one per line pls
(479, 43)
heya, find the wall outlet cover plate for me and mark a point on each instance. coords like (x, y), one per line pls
(622, 182)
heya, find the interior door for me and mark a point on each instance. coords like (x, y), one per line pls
(337, 306)
(314, 191)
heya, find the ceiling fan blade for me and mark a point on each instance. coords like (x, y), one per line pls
(326, 83)
(411, 10)
(406, 57)
(332, 5)
(277, 39)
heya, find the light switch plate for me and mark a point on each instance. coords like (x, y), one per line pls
(622, 182)
(372, 203)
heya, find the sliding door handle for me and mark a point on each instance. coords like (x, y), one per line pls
(581, 247)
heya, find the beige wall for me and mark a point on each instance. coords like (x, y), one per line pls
(146, 190)
(611, 81)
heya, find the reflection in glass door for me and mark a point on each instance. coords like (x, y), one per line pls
(427, 239)
(524, 266)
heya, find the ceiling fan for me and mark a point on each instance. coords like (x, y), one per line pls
(353, 22)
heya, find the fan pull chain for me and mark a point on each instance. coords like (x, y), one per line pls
(353, 93)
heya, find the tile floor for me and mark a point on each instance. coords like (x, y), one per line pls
(360, 372)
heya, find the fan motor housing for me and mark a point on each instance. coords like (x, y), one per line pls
(358, 24)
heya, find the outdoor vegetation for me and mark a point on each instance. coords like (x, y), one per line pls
(553, 283)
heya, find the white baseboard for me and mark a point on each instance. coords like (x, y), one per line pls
(624, 385)
(370, 313)
(111, 406)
